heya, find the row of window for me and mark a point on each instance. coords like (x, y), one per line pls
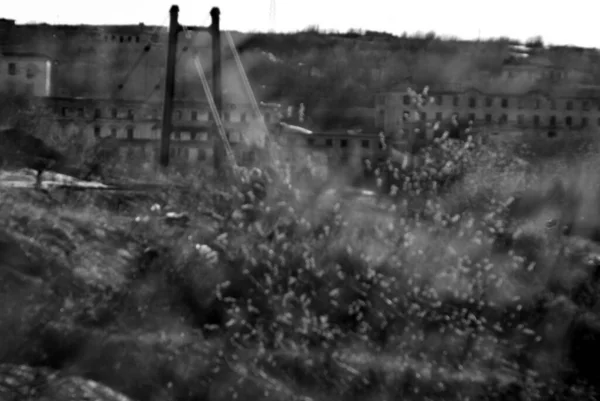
(121, 39)
(489, 101)
(343, 143)
(30, 70)
(176, 152)
(504, 119)
(131, 133)
(154, 114)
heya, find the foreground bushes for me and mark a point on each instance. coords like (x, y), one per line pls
(434, 291)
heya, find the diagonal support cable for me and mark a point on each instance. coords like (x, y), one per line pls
(213, 109)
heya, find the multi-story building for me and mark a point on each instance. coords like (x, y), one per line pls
(25, 73)
(531, 96)
(138, 124)
(562, 112)
(335, 148)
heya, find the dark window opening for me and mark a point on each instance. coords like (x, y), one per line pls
(472, 102)
(12, 69)
(504, 103)
(130, 133)
(568, 121)
(329, 143)
(406, 99)
(344, 143)
(365, 143)
(551, 134)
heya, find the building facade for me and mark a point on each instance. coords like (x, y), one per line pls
(335, 148)
(25, 74)
(560, 113)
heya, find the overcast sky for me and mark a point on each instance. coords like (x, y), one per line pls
(573, 22)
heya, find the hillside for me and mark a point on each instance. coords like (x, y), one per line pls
(328, 72)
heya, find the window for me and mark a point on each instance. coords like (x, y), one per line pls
(472, 102)
(569, 105)
(12, 69)
(178, 115)
(536, 120)
(503, 119)
(310, 141)
(344, 143)
(97, 132)
(406, 99)
(585, 105)
(423, 116)
(488, 118)
(472, 117)
(439, 100)
(438, 116)
(80, 112)
(97, 113)
(130, 114)
(504, 103)
(455, 101)
(113, 113)
(365, 143)
(113, 132)
(489, 101)
(584, 121)
(64, 111)
(551, 134)
(568, 121)
(31, 71)
(243, 117)
(130, 133)
(552, 121)
(194, 116)
(520, 119)
(598, 122)
(329, 143)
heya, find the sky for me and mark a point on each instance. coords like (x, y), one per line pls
(575, 24)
